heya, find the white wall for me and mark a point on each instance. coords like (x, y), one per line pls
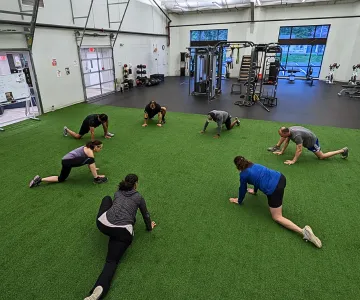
(339, 46)
(142, 16)
(57, 91)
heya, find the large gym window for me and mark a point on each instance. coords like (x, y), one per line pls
(207, 37)
(302, 47)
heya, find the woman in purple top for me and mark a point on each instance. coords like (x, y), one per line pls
(76, 158)
(272, 184)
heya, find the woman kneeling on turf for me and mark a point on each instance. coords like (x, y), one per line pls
(76, 158)
(116, 219)
(272, 184)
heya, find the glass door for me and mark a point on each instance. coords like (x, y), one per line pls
(98, 71)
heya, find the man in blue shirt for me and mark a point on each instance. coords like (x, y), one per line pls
(272, 184)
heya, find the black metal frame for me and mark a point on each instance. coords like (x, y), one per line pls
(304, 42)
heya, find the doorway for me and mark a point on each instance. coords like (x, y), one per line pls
(98, 71)
(19, 97)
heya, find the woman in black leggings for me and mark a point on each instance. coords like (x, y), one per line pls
(76, 158)
(116, 219)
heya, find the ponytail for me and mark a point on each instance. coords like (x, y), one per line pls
(128, 183)
(93, 144)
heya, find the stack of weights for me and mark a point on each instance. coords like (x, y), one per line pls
(127, 82)
(141, 78)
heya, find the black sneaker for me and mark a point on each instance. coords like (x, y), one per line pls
(345, 154)
(99, 180)
(35, 182)
(273, 148)
(163, 121)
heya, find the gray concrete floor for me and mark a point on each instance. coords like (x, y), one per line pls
(298, 102)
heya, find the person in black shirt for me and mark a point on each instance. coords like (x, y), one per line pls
(89, 124)
(116, 218)
(153, 109)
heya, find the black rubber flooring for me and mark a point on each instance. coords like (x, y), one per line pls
(298, 102)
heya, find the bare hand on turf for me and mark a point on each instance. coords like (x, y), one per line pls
(234, 200)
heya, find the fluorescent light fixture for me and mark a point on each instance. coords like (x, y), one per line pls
(303, 0)
(258, 2)
(178, 6)
(217, 4)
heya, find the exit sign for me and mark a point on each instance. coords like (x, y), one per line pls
(3, 57)
(91, 49)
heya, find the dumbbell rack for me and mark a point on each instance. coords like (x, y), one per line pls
(141, 74)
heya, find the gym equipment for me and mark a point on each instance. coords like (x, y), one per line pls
(204, 72)
(309, 77)
(207, 65)
(141, 78)
(351, 90)
(262, 77)
(330, 77)
(161, 77)
(354, 74)
(292, 74)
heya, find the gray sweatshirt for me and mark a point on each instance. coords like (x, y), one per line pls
(220, 117)
(124, 208)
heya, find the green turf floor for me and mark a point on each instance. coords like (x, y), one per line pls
(203, 247)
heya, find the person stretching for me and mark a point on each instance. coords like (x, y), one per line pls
(89, 124)
(75, 158)
(116, 219)
(272, 184)
(153, 109)
(302, 137)
(220, 117)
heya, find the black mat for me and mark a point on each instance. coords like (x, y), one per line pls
(298, 102)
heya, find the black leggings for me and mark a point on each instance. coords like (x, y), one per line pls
(68, 164)
(276, 198)
(120, 239)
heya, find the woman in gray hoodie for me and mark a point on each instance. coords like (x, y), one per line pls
(116, 219)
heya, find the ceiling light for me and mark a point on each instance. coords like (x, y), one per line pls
(217, 4)
(303, 0)
(258, 2)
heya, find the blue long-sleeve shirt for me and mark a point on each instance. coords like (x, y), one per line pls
(260, 177)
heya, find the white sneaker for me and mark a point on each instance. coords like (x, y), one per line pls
(310, 236)
(237, 121)
(65, 131)
(96, 293)
(110, 134)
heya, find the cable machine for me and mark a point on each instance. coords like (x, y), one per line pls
(207, 65)
(263, 75)
(204, 67)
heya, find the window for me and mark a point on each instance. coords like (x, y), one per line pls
(208, 35)
(304, 32)
(302, 47)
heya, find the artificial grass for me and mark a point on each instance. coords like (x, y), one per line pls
(203, 247)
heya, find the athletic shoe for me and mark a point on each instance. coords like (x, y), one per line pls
(274, 148)
(110, 134)
(35, 182)
(310, 236)
(96, 293)
(163, 121)
(100, 180)
(65, 131)
(346, 153)
(237, 121)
